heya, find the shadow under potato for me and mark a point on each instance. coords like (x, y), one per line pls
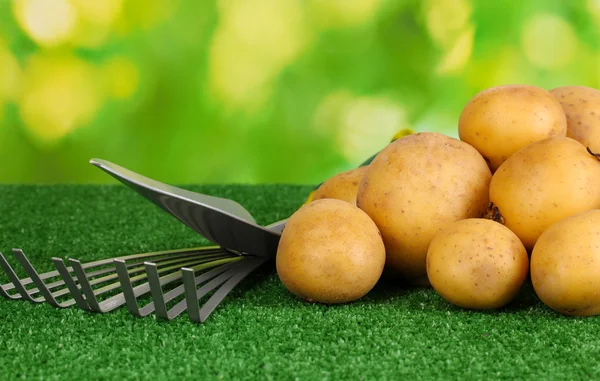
(266, 290)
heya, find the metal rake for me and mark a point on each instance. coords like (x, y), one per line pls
(166, 282)
(105, 285)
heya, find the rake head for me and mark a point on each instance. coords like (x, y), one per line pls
(167, 283)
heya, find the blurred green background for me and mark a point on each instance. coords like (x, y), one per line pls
(261, 91)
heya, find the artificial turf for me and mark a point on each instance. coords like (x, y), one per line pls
(261, 331)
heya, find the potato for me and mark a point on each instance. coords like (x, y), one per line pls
(330, 252)
(342, 186)
(543, 183)
(501, 120)
(581, 105)
(565, 265)
(477, 264)
(416, 186)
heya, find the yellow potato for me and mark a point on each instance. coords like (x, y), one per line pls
(416, 186)
(477, 263)
(342, 186)
(543, 183)
(501, 120)
(330, 252)
(565, 265)
(582, 108)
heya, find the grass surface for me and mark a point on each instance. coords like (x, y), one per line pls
(261, 331)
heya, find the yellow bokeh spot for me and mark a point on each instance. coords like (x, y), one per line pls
(238, 78)
(367, 125)
(48, 23)
(247, 53)
(329, 112)
(342, 13)
(59, 94)
(458, 55)
(58, 22)
(548, 41)
(362, 125)
(144, 14)
(95, 20)
(593, 7)
(10, 74)
(446, 20)
(121, 77)
(98, 12)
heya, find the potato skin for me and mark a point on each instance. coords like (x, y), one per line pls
(565, 265)
(477, 264)
(501, 120)
(343, 186)
(543, 183)
(416, 186)
(581, 105)
(330, 252)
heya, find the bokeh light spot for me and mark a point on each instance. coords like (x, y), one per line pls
(361, 125)
(247, 53)
(368, 124)
(446, 20)
(329, 112)
(95, 20)
(593, 7)
(10, 74)
(121, 77)
(237, 77)
(48, 23)
(99, 12)
(59, 94)
(458, 55)
(548, 41)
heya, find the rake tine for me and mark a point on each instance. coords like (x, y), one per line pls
(225, 289)
(3, 290)
(127, 287)
(192, 296)
(39, 282)
(159, 299)
(17, 282)
(66, 275)
(86, 287)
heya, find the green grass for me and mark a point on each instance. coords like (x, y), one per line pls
(261, 331)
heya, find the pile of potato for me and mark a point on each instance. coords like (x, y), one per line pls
(517, 195)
